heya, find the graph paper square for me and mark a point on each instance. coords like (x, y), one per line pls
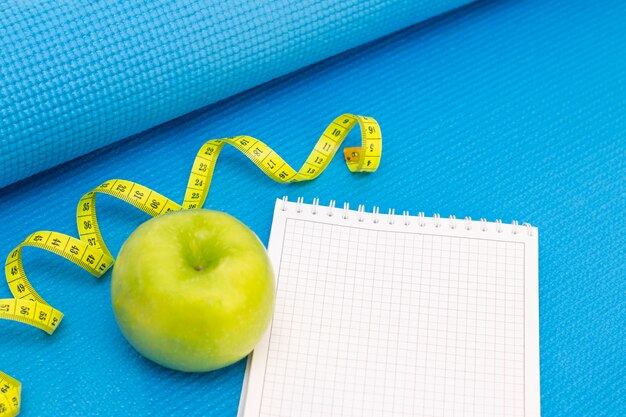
(381, 318)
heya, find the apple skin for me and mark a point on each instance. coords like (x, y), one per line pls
(193, 290)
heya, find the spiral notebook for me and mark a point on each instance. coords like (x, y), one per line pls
(397, 315)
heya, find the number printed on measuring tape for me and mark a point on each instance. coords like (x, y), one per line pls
(10, 390)
(90, 252)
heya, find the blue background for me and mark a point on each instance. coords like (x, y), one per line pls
(509, 109)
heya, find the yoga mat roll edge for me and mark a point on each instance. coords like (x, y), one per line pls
(77, 76)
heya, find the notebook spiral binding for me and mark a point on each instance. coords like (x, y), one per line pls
(451, 222)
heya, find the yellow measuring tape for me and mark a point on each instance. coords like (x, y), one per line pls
(89, 251)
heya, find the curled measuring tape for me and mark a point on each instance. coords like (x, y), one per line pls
(90, 252)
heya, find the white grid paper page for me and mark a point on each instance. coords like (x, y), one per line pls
(379, 319)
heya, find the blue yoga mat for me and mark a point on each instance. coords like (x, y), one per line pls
(502, 109)
(77, 76)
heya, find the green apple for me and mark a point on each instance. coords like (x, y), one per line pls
(193, 290)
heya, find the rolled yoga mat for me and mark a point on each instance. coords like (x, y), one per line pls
(77, 76)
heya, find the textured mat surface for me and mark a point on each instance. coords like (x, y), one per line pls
(509, 109)
(76, 76)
